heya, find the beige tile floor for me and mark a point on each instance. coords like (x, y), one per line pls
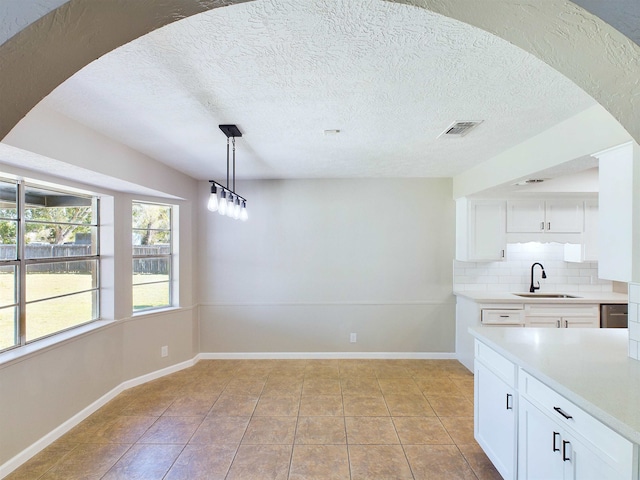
(280, 419)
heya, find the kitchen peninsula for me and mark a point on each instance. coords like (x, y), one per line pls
(573, 394)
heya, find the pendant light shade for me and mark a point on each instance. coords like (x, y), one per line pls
(222, 207)
(244, 216)
(213, 203)
(230, 206)
(236, 209)
(230, 203)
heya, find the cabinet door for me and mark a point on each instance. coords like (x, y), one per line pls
(615, 226)
(580, 322)
(495, 419)
(580, 463)
(539, 445)
(564, 215)
(525, 216)
(487, 235)
(543, 322)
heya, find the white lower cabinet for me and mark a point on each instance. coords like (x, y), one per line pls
(531, 432)
(562, 316)
(546, 451)
(537, 445)
(495, 420)
(495, 416)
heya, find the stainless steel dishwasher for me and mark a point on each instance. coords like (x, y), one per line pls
(614, 315)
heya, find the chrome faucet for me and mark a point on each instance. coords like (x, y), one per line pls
(532, 288)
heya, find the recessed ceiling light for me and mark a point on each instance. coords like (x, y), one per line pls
(332, 132)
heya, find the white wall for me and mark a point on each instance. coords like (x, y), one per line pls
(319, 259)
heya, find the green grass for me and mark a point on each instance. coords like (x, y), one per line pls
(50, 316)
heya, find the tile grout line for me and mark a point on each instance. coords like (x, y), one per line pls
(235, 455)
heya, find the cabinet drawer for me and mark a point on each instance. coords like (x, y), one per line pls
(615, 449)
(502, 367)
(499, 317)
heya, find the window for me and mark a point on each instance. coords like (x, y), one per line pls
(49, 262)
(152, 255)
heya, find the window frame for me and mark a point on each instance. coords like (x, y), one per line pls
(169, 256)
(21, 263)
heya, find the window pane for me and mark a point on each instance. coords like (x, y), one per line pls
(51, 316)
(150, 296)
(8, 196)
(58, 207)
(8, 327)
(151, 237)
(47, 280)
(59, 240)
(148, 270)
(8, 239)
(8, 281)
(151, 217)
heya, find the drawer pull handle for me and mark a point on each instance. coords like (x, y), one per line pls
(541, 225)
(565, 458)
(555, 447)
(504, 316)
(562, 412)
(509, 401)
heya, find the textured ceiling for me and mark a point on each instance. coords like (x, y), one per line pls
(17, 14)
(391, 77)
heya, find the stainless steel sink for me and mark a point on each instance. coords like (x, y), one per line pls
(545, 295)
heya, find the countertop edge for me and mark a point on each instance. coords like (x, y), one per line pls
(481, 296)
(602, 416)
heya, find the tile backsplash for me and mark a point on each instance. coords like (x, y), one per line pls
(514, 274)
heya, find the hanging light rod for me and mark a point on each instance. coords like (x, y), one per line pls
(229, 203)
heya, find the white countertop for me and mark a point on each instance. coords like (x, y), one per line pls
(506, 297)
(589, 367)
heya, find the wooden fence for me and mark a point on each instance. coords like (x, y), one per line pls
(151, 266)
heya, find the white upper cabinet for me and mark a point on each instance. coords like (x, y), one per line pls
(560, 215)
(618, 253)
(587, 249)
(480, 230)
(565, 215)
(525, 216)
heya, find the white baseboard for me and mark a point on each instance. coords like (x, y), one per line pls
(327, 355)
(53, 435)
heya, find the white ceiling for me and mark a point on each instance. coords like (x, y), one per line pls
(391, 77)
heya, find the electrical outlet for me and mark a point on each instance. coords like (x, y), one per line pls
(164, 351)
(353, 338)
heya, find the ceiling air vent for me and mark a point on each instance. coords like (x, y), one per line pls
(459, 129)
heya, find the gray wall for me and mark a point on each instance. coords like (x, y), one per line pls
(320, 259)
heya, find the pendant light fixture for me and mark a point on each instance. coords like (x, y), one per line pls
(229, 203)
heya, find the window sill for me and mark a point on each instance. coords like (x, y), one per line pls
(152, 311)
(19, 354)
